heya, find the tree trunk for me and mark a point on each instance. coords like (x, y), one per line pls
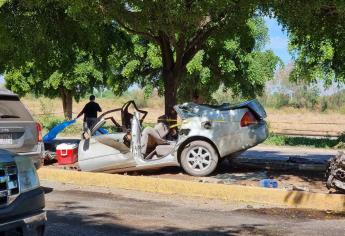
(170, 91)
(67, 103)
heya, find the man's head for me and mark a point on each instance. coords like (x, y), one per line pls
(92, 98)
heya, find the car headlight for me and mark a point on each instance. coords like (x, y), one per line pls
(27, 175)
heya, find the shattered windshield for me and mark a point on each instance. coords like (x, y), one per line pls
(186, 110)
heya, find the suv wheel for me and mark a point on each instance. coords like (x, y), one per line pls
(199, 158)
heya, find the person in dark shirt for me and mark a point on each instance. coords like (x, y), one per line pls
(90, 112)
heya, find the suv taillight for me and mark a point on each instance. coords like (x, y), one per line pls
(248, 119)
(39, 132)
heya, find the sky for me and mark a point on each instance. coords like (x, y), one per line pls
(278, 40)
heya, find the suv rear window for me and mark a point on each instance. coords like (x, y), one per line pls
(12, 109)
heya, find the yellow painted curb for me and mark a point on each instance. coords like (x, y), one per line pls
(296, 199)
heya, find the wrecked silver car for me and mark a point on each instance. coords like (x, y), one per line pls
(204, 135)
(335, 173)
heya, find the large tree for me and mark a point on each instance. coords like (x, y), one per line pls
(45, 51)
(82, 77)
(223, 61)
(180, 29)
(184, 33)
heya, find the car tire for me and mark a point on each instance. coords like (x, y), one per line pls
(199, 158)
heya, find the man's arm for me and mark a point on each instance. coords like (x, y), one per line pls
(81, 113)
(99, 108)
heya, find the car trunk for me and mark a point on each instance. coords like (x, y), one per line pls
(18, 130)
(191, 109)
(252, 105)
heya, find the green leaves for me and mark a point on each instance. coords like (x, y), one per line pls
(82, 78)
(176, 46)
(317, 31)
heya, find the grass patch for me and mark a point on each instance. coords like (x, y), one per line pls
(281, 140)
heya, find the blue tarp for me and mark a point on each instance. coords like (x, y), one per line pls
(102, 131)
(51, 135)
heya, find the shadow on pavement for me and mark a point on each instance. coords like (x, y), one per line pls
(72, 223)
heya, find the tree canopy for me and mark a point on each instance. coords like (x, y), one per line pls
(176, 45)
(185, 45)
(81, 79)
(47, 52)
(317, 30)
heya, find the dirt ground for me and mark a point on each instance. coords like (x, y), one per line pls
(298, 180)
(306, 122)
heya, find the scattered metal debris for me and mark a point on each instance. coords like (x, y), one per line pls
(335, 173)
(292, 187)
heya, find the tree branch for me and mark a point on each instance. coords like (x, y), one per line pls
(201, 36)
(142, 33)
(196, 44)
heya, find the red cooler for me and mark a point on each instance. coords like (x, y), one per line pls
(67, 153)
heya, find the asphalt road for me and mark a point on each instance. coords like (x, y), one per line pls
(74, 210)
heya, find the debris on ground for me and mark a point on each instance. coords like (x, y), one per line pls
(292, 187)
(269, 183)
(335, 173)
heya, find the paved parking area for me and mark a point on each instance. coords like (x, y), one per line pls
(74, 210)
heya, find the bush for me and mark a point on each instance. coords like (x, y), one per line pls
(225, 95)
(277, 100)
(49, 121)
(323, 104)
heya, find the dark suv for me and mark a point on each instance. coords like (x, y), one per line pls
(21, 197)
(19, 132)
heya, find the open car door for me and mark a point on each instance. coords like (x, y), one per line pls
(108, 152)
(105, 152)
(124, 124)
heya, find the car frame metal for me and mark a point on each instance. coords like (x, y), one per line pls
(206, 135)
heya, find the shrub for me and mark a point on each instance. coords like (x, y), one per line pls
(277, 100)
(49, 121)
(323, 104)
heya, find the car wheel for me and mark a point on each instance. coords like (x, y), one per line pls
(199, 158)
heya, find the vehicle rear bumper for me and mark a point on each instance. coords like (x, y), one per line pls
(29, 225)
(248, 137)
(255, 135)
(36, 156)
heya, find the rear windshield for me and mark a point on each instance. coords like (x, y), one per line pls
(12, 109)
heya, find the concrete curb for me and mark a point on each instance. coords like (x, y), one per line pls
(239, 193)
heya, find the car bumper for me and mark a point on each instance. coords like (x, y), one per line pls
(30, 225)
(36, 156)
(248, 137)
(25, 214)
